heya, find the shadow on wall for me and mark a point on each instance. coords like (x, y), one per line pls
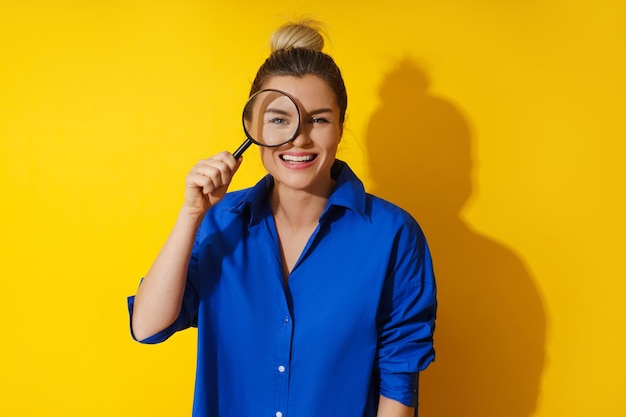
(491, 325)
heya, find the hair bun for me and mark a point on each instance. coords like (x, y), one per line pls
(306, 33)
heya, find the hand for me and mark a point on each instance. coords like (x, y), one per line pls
(208, 181)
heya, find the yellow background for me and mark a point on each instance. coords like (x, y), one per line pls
(498, 124)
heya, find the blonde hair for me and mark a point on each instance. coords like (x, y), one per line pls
(297, 51)
(304, 33)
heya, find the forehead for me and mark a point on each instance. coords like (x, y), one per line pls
(310, 91)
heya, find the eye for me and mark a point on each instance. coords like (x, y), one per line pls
(278, 121)
(320, 120)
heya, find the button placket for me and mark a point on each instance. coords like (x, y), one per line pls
(281, 366)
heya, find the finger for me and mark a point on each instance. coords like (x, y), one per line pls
(224, 163)
(228, 159)
(218, 172)
(196, 180)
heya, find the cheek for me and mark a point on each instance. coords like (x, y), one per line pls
(267, 158)
(335, 136)
(328, 137)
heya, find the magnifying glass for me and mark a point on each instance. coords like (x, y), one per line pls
(270, 118)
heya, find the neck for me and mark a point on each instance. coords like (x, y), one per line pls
(298, 208)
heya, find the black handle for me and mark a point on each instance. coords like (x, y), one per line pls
(240, 150)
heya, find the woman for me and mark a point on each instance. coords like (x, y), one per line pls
(311, 297)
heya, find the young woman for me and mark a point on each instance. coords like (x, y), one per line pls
(311, 297)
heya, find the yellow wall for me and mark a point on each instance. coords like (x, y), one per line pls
(498, 124)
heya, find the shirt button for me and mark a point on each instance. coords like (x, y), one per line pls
(281, 369)
(279, 414)
(286, 319)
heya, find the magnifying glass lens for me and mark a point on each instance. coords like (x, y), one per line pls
(271, 118)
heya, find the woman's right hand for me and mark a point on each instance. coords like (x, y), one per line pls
(208, 181)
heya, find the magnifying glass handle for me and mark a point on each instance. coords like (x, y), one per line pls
(240, 150)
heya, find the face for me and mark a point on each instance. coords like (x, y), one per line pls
(304, 164)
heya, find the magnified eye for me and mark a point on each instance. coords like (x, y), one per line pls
(278, 121)
(271, 118)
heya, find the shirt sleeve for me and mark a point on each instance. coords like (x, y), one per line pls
(406, 316)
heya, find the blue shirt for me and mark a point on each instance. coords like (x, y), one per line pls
(354, 320)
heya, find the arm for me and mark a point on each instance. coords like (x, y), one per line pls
(392, 408)
(407, 319)
(159, 298)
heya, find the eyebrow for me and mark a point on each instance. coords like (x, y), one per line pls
(277, 111)
(322, 110)
(287, 113)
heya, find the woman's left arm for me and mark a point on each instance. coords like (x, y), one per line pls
(392, 408)
(406, 319)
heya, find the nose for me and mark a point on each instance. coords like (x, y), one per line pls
(304, 136)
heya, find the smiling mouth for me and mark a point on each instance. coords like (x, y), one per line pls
(298, 158)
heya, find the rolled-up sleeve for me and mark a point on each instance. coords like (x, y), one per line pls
(407, 317)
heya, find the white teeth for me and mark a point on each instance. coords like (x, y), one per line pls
(294, 158)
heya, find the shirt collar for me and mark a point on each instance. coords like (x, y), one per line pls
(348, 192)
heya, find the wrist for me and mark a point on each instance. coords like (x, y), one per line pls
(191, 215)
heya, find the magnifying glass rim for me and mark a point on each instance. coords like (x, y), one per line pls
(243, 118)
